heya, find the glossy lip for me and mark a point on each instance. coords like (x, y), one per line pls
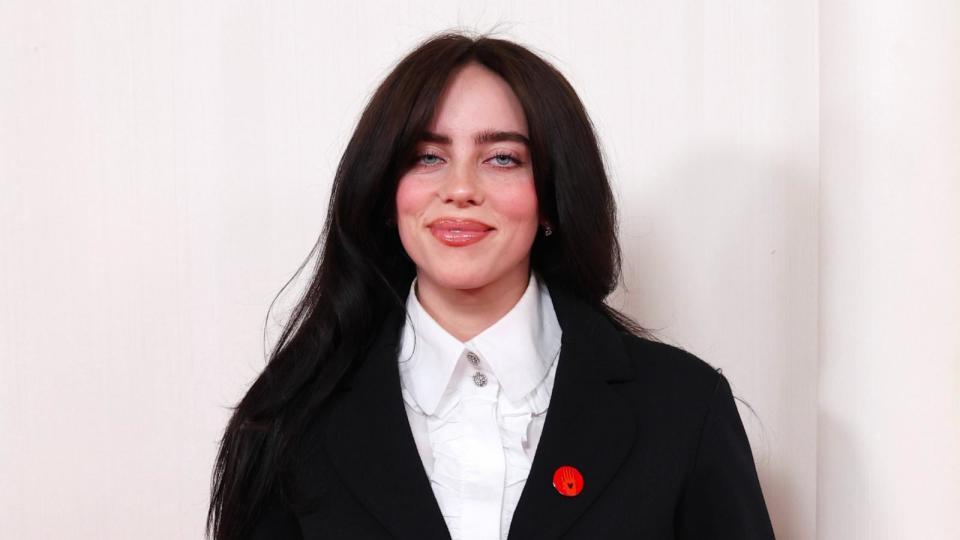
(459, 232)
(451, 223)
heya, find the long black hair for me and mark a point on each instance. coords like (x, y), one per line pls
(363, 270)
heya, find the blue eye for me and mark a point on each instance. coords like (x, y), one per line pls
(502, 160)
(509, 159)
(421, 158)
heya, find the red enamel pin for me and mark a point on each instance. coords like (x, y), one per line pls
(568, 481)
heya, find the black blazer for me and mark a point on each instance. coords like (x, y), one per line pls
(653, 429)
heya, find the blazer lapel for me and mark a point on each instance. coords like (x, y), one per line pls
(371, 445)
(588, 425)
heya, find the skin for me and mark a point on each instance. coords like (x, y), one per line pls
(466, 289)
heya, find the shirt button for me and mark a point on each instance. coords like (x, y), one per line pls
(479, 379)
(473, 358)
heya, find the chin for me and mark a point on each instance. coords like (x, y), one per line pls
(460, 281)
(467, 276)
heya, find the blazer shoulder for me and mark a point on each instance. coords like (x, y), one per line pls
(671, 367)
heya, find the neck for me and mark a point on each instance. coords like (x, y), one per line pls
(467, 312)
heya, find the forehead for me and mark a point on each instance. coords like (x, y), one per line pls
(475, 98)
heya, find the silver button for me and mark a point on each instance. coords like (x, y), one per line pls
(473, 358)
(479, 379)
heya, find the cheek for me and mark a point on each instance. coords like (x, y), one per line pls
(518, 204)
(411, 200)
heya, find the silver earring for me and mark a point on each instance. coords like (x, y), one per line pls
(547, 231)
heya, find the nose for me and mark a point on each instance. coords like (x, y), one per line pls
(461, 187)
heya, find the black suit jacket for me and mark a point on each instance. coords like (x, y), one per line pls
(653, 429)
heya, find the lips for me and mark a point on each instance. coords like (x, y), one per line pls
(459, 232)
(459, 224)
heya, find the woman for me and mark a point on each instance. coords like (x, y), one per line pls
(452, 370)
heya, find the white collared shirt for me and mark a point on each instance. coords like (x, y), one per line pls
(477, 434)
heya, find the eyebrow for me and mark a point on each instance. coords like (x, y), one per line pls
(482, 137)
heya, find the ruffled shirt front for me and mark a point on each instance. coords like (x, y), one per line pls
(476, 409)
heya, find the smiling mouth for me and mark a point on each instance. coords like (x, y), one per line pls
(458, 234)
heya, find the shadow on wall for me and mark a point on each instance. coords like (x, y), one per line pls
(843, 461)
(720, 254)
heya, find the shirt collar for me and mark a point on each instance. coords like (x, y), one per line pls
(519, 348)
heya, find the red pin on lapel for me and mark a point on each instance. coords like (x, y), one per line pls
(568, 481)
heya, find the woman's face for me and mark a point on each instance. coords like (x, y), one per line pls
(467, 208)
